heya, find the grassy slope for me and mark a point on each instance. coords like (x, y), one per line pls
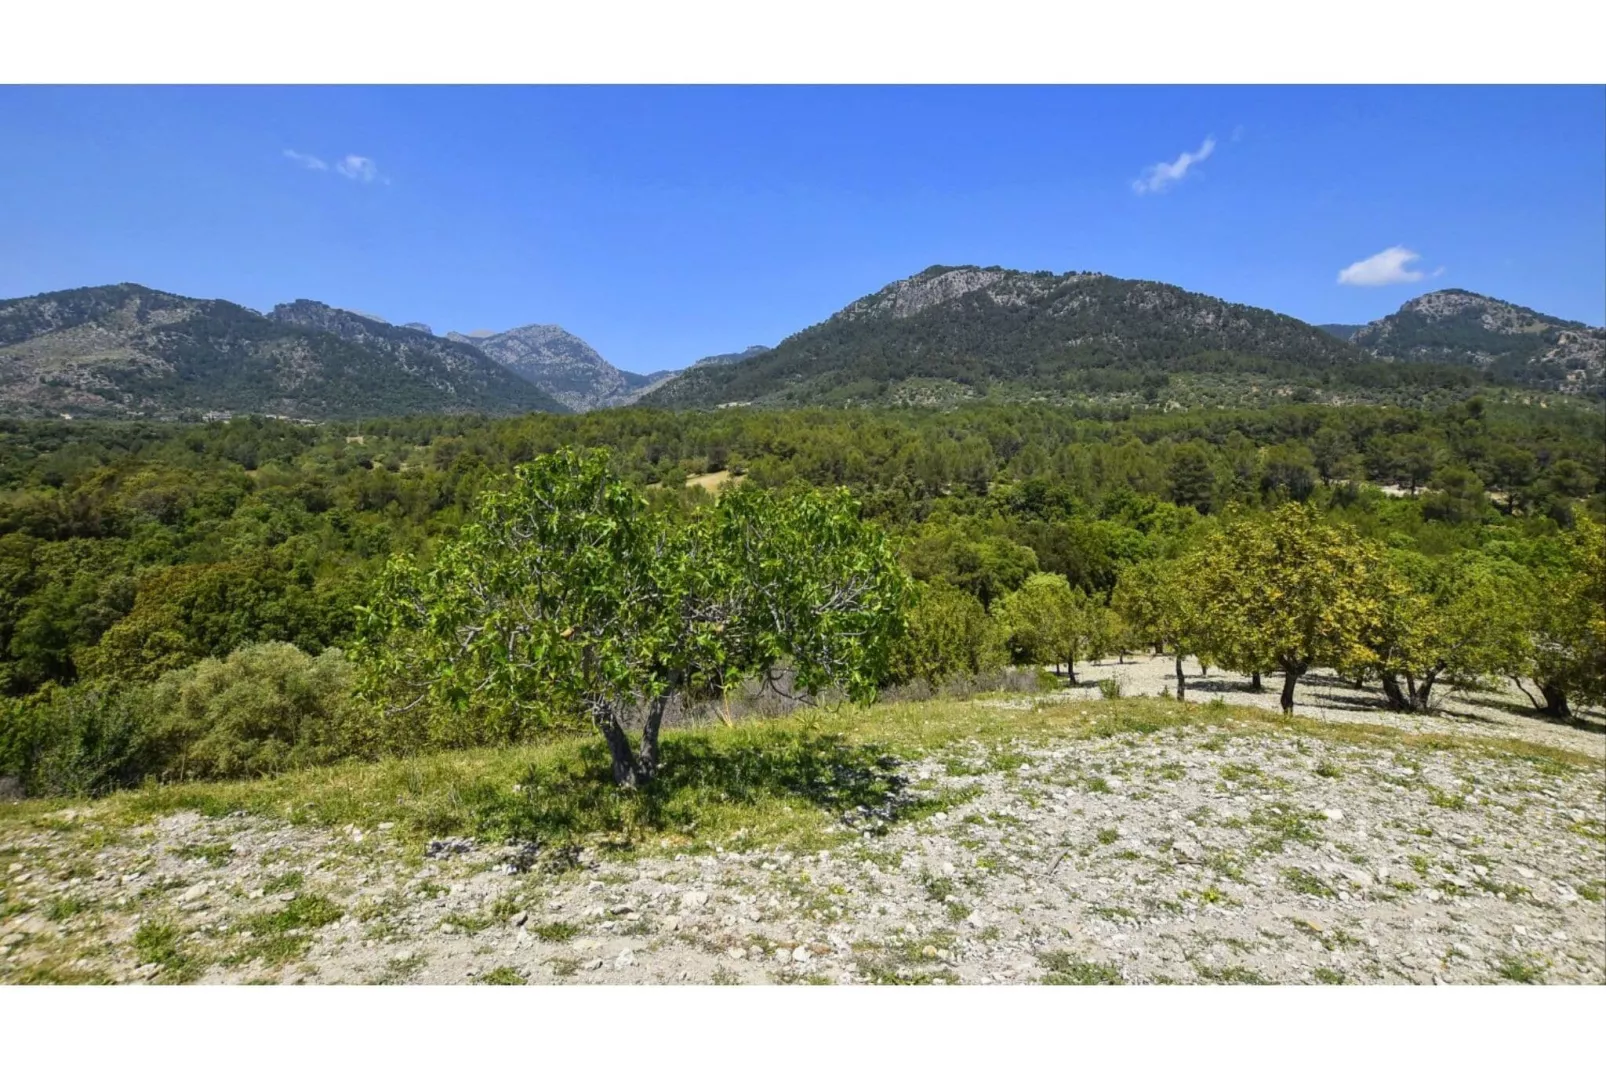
(784, 781)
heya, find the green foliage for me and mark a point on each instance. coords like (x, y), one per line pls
(949, 635)
(266, 708)
(129, 550)
(73, 740)
(1285, 589)
(1050, 622)
(566, 596)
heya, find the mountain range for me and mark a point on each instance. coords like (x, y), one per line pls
(953, 333)
(1460, 327)
(127, 350)
(562, 365)
(943, 335)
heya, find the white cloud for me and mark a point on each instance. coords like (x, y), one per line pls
(311, 163)
(358, 168)
(1387, 268)
(1157, 177)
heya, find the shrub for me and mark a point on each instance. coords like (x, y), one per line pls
(265, 708)
(949, 636)
(73, 740)
(1110, 687)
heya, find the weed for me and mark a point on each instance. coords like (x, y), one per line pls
(502, 975)
(1231, 975)
(62, 909)
(1108, 836)
(157, 942)
(1065, 969)
(1307, 883)
(215, 854)
(285, 882)
(1326, 976)
(1521, 970)
(555, 932)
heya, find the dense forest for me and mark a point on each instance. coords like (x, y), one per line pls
(201, 584)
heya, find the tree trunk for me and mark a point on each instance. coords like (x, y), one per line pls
(1254, 681)
(626, 774)
(1555, 699)
(1204, 669)
(1070, 671)
(1291, 675)
(1527, 694)
(1182, 684)
(647, 757)
(1424, 690)
(1396, 697)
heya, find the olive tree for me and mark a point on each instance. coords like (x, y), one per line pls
(1285, 589)
(1156, 600)
(1459, 617)
(567, 597)
(1565, 649)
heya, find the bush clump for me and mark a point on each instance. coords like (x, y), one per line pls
(264, 709)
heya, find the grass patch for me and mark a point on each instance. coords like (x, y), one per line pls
(502, 975)
(1108, 836)
(1326, 976)
(1519, 970)
(285, 882)
(1231, 975)
(283, 935)
(66, 907)
(1307, 883)
(157, 943)
(213, 854)
(1063, 968)
(555, 932)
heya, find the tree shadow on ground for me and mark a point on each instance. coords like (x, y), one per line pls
(704, 779)
(1582, 720)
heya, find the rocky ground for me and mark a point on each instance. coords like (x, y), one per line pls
(1501, 713)
(1186, 855)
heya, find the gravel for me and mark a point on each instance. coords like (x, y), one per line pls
(1188, 855)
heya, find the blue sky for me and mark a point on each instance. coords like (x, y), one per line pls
(664, 224)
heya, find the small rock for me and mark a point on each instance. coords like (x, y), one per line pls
(801, 954)
(593, 964)
(672, 922)
(619, 909)
(626, 958)
(693, 900)
(519, 919)
(386, 826)
(737, 952)
(1333, 815)
(447, 848)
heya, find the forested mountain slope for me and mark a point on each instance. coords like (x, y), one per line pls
(127, 350)
(1460, 327)
(962, 332)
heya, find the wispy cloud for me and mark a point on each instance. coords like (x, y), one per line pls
(1156, 177)
(358, 168)
(351, 166)
(311, 163)
(1391, 266)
